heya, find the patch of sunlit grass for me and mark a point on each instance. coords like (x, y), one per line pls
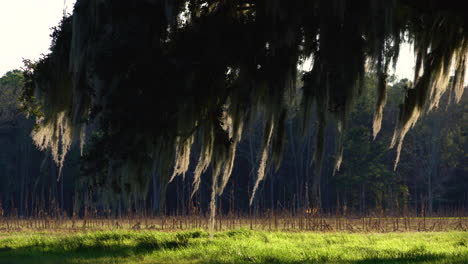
(236, 246)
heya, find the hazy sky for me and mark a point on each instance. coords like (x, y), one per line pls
(406, 61)
(25, 29)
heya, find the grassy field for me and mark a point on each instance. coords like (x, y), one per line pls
(238, 246)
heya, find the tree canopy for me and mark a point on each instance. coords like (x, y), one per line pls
(154, 82)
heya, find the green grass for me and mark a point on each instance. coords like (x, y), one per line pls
(240, 246)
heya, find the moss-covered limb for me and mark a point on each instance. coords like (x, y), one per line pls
(154, 83)
(437, 55)
(48, 95)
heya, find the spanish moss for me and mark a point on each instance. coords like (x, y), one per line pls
(155, 83)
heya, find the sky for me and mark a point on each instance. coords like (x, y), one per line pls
(25, 26)
(405, 63)
(25, 29)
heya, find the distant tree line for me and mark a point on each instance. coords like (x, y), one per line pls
(432, 176)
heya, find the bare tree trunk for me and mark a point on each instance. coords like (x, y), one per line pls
(156, 194)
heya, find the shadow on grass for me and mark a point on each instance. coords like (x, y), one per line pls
(131, 256)
(101, 248)
(436, 259)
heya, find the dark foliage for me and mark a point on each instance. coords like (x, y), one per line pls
(153, 78)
